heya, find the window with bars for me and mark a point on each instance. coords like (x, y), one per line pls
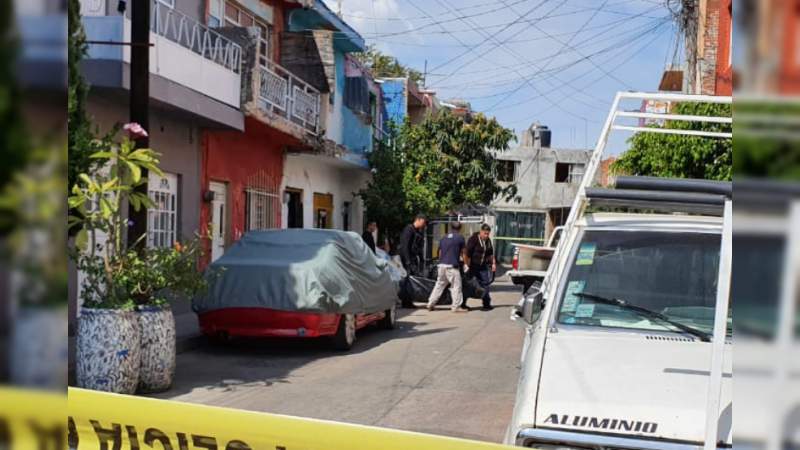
(261, 209)
(162, 217)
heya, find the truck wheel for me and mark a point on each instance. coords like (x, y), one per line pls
(345, 333)
(389, 319)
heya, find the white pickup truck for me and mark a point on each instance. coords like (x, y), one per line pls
(617, 354)
(530, 262)
(627, 339)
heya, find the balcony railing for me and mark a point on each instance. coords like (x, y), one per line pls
(285, 94)
(188, 33)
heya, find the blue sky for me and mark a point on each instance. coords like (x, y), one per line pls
(558, 62)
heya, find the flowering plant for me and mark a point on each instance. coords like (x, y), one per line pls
(116, 275)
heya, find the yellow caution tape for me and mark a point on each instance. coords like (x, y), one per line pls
(102, 421)
(32, 420)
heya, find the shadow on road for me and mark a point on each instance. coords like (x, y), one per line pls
(242, 362)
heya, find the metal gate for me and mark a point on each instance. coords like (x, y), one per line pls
(517, 227)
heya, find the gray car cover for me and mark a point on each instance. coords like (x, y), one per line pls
(323, 271)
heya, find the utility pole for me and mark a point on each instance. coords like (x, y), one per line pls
(689, 22)
(425, 76)
(140, 98)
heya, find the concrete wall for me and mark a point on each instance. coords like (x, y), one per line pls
(325, 176)
(536, 173)
(177, 139)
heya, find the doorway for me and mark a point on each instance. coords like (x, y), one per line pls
(295, 208)
(218, 221)
(323, 210)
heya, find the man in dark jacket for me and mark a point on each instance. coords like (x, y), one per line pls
(370, 235)
(410, 248)
(481, 262)
(411, 245)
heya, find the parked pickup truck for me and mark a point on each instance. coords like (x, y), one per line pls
(530, 262)
(616, 355)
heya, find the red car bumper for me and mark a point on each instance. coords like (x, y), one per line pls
(263, 322)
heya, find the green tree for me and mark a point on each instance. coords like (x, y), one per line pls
(434, 167)
(679, 156)
(772, 153)
(382, 65)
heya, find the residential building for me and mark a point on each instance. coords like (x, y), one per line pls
(458, 107)
(714, 44)
(605, 177)
(547, 180)
(708, 43)
(403, 98)
(771, 48)
(195, 85)
(196, 81)
(321, 181)
(242, 170)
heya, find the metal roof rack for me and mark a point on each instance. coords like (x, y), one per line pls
(698, 195)
(666, 195)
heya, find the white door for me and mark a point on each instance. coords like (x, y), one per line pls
(218, 219)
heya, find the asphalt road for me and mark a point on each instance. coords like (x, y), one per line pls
(438, 372)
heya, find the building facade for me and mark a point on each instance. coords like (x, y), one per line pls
(547, 180)
(321, 181)
(195, 86)
(714, 45)
(242, 170)
(403, 98)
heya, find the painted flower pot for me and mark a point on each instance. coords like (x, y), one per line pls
(38, 348)
(157, 328)
(108, 350)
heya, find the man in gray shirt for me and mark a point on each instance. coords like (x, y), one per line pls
(452, 250)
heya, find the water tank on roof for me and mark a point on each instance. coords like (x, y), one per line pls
(537, 136)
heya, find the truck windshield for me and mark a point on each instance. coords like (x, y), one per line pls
(671, 273)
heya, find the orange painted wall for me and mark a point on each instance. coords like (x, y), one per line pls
(724, 75)
(789, 82)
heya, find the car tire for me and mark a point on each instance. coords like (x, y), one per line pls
(389, 319)
(345, 335)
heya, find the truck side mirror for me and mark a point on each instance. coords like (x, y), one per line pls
(531, 306)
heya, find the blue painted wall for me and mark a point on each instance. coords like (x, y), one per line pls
(356, 134)
(394, 101)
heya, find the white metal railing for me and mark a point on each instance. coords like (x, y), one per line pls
(283, 93)
(186, 32)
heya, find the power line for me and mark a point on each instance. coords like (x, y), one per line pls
(564, 45)
(417, 30)
(626, 33)
(534, 87)
(620, 64)
(627, 41)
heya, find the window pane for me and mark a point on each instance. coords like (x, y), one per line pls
(245, 20)
(232, 13)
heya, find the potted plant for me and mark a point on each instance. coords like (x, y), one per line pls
(108, 336)
(153, 277)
